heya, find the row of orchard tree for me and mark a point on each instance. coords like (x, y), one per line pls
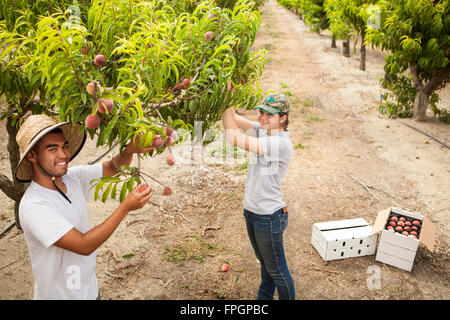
(414, 33)
(124, 68)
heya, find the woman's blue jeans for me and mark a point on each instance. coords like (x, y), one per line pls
(266, 236)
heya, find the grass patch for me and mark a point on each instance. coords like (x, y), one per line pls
(308, 102)
(313, 117)
(288, 93)
(191, 247)
(284, 86)
(299, 146)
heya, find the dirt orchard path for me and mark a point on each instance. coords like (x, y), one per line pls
(175, 246)
(342, 135)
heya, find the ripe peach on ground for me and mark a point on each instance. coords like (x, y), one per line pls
(225, 267)
(167, 191)
(92, 121)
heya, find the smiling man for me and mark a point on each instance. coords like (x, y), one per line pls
(53, 211)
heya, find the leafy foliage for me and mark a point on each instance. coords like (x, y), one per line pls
(48, 51)
(417, 34)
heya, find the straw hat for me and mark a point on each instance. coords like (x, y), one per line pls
(33, 129)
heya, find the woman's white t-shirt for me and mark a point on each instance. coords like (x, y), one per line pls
(265, 172)
(45, 216)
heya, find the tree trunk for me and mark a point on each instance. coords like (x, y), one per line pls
(12, 188)
(333, 41)
(420, 105)
(346, 48)
(423, 91)
(362, 63)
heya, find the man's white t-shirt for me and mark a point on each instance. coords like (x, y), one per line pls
(45, 216)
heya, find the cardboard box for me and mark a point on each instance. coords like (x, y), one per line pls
(400, 250)
(343, 239)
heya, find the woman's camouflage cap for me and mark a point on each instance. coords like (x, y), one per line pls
(275, 103)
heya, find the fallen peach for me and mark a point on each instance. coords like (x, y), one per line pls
(167, 191)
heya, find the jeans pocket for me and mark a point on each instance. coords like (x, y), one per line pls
(284, 217)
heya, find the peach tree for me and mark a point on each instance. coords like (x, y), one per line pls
(416, 34)
(128, 68)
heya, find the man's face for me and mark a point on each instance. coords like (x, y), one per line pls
(53, 154)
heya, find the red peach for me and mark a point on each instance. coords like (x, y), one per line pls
(92, 121)
(401, 223)
(392, 223)
(186, 82)
(212, 16)
(91, 88)
(405, 233)
(169, 130)
(142, 188)
(416, 222)
(167, 191)
(157, 141)
(399, 229)
(168, 141)
(414, 233)
(402, 219)
(408, 223)
(105, 105)
(414, 228)
(170, 160)
(394, 218)
(225, 267)
(100, 60)
(407, 228)
(390, 228)
(208, 35)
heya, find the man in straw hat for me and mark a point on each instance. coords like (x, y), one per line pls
(53, 211)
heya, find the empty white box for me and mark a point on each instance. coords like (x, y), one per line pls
(343, 239)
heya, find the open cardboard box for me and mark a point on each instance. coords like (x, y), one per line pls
(396, 249)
